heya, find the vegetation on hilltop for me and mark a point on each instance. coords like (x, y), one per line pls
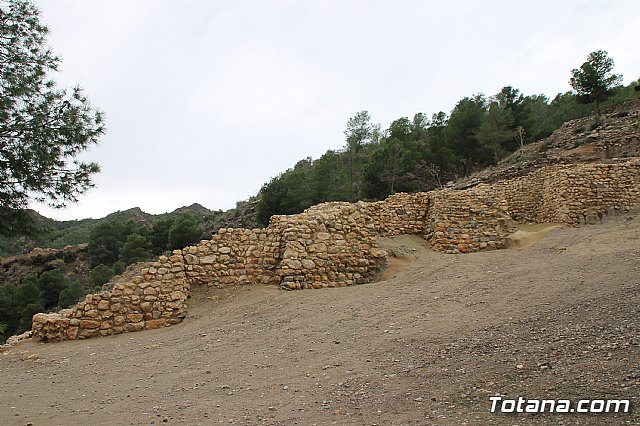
(423, 153)
(108, 246)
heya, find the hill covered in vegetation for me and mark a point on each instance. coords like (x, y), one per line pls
(424, 153)
(481, 138)
(80, 256)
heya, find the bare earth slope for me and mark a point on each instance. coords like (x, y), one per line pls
(555, 318)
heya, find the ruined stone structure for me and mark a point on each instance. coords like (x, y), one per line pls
(334, 244)
(151, 300)
(572, 194)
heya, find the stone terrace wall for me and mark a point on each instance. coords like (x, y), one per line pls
(327, 246)
(398, 214)
(584, 193)
(572, 194)
(151, 300)
(333, 244)
(468, 221)
(524, 195)
(234, 256)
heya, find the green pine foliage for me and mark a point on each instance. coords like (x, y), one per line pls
(423, 154)
(43, 127)
(71, 295)
(184, 231)
(101, 274)
(594, 81)
(46, 292)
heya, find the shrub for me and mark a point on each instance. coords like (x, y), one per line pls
(71, 295)
(597, 122)
(101, 274)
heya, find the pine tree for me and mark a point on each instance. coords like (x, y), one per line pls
(593, 81)
(43, 128)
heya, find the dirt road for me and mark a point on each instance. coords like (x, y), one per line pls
(555, 318)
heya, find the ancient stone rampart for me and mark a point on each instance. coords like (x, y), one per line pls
(151, 300)
(584, 194)
(468, 221)
(572, 194)
(327, 246)
(334, 244)
(523, 195)
(398, 214)
(234, 256)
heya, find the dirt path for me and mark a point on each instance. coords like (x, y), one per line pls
(555, 318)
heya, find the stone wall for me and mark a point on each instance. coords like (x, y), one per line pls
(398, 214)
(234, 256)
(153, 299)
(327, 246)
(523, 195)
(468, 221)
(334, 244)
(572, 194)
(585, 193)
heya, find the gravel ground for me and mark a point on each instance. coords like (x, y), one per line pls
(554, 318)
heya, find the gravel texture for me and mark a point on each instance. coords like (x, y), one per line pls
(554, 318)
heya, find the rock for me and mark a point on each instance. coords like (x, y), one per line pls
(103, 305)
(292, 263)
(150, 290)
(89, 324)
(308, 264)
(133, 317)
(151, 324)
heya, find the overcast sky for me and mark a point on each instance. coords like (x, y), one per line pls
(207, 100)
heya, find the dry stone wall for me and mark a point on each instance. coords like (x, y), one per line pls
(327, 246)
(153, 299)
(586, 193)
(468, 221)
(334, 244)
(524, 195)
(234, 256)
(398, 214)
(572, 194)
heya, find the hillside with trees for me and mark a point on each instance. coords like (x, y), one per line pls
(44, 128)
(417, 154)
(425, 152)
(81, 256)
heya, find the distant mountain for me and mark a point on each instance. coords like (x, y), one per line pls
(195, 209)
(59, 234)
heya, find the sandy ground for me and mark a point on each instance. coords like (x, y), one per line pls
(554, 317)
